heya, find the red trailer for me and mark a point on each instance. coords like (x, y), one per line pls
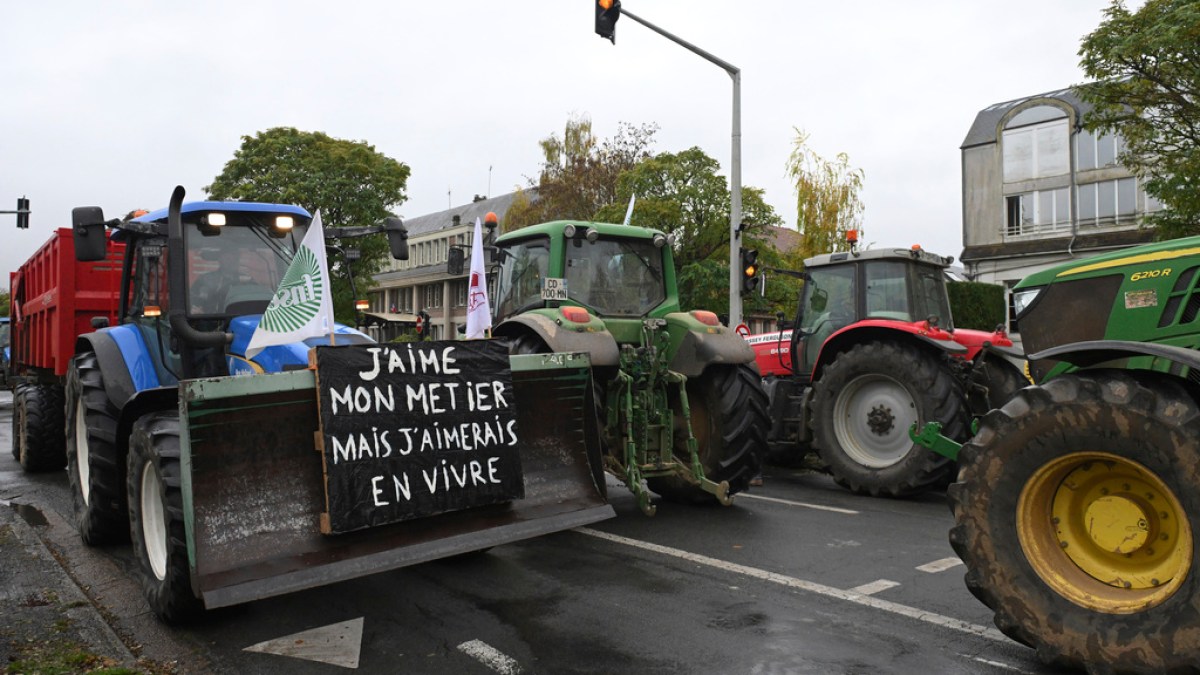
(54, 300)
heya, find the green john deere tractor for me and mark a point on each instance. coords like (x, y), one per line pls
(1077, 504)
(679, 398)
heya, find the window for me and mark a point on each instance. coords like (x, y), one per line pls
(1108, 202)
(1097, 153)
(431, 296)
(1037, 212)
(1036, 151)
(459, 290)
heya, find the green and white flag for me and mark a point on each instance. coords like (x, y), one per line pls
(303, 303)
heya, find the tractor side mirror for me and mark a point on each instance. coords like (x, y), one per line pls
(397, 236)
(455, 259)
(819, 300)
(87, 225)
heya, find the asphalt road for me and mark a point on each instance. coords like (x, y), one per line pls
(798, 576)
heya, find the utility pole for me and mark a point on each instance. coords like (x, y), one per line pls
(607, 13)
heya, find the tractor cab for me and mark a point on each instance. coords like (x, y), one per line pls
(188, 291)
(885, 286)
(612, 271)
(197, 277)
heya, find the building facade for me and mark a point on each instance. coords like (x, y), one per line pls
(1038, 189)
(421, 283)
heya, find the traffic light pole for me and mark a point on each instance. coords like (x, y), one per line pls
(735, 164)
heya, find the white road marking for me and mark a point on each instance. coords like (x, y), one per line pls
(337, 644)
(874, 587)
(989, 662)
(809, 586)
(819, 507)
(940, 565)
(490, 657)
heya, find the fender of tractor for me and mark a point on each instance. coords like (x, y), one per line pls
(561, 330)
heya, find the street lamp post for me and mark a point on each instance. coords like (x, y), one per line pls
(735, 161)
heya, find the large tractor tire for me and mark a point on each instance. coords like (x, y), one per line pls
(992, 383)
(96, 471)
(863, 406)
(730, 424)
(1076, 513)
(38, 441)
(156, 519)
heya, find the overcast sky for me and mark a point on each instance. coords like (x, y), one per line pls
(114, 103)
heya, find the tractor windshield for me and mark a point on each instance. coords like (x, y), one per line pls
(236, 268)
(519, 281)
(616, 277)
(902, 291)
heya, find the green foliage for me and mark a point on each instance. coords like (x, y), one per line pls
(827, 202)
(976, 305)
(5, 302)
(1147, 67)
(682, 194)
(579, 173)
(348, 181)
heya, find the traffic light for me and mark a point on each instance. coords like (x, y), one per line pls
(607, 13)
(22, 213)
(749, 270)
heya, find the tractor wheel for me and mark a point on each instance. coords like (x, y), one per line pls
(38, 442)
(1076, 512)
(992, 384)
(863, 406)
(96, 471)
(730, 423)
(156, 518)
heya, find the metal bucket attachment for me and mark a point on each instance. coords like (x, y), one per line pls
(253, 484)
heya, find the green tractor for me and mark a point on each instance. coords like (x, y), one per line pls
(680, 402)
(1078, 502)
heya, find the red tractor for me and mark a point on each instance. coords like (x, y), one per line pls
(873, 350)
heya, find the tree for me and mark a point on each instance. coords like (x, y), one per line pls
(1147, 70)
(827, 202)
(5, 302)
(682, 194)
(579, 172)
(348, 181)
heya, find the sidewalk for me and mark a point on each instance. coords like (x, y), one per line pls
(47, 624)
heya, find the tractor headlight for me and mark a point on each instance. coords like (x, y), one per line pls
(1023, 298)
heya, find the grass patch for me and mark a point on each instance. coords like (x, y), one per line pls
(60, 657)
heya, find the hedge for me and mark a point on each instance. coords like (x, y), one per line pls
(976, 305)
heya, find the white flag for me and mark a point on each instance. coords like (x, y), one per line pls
(303, 303)
(479, 310)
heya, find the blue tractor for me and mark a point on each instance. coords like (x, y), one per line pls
(205, 458)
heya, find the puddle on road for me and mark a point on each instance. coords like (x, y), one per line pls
(29, 514)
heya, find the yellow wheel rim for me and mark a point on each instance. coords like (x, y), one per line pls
(1104, 532)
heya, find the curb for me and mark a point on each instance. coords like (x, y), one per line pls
(86, 624)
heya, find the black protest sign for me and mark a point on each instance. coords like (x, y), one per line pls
(415, 429)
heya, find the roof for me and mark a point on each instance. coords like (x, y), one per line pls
(192, 207)
(781, 238)
(987, 121)
(916, 254)
(467, 213)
